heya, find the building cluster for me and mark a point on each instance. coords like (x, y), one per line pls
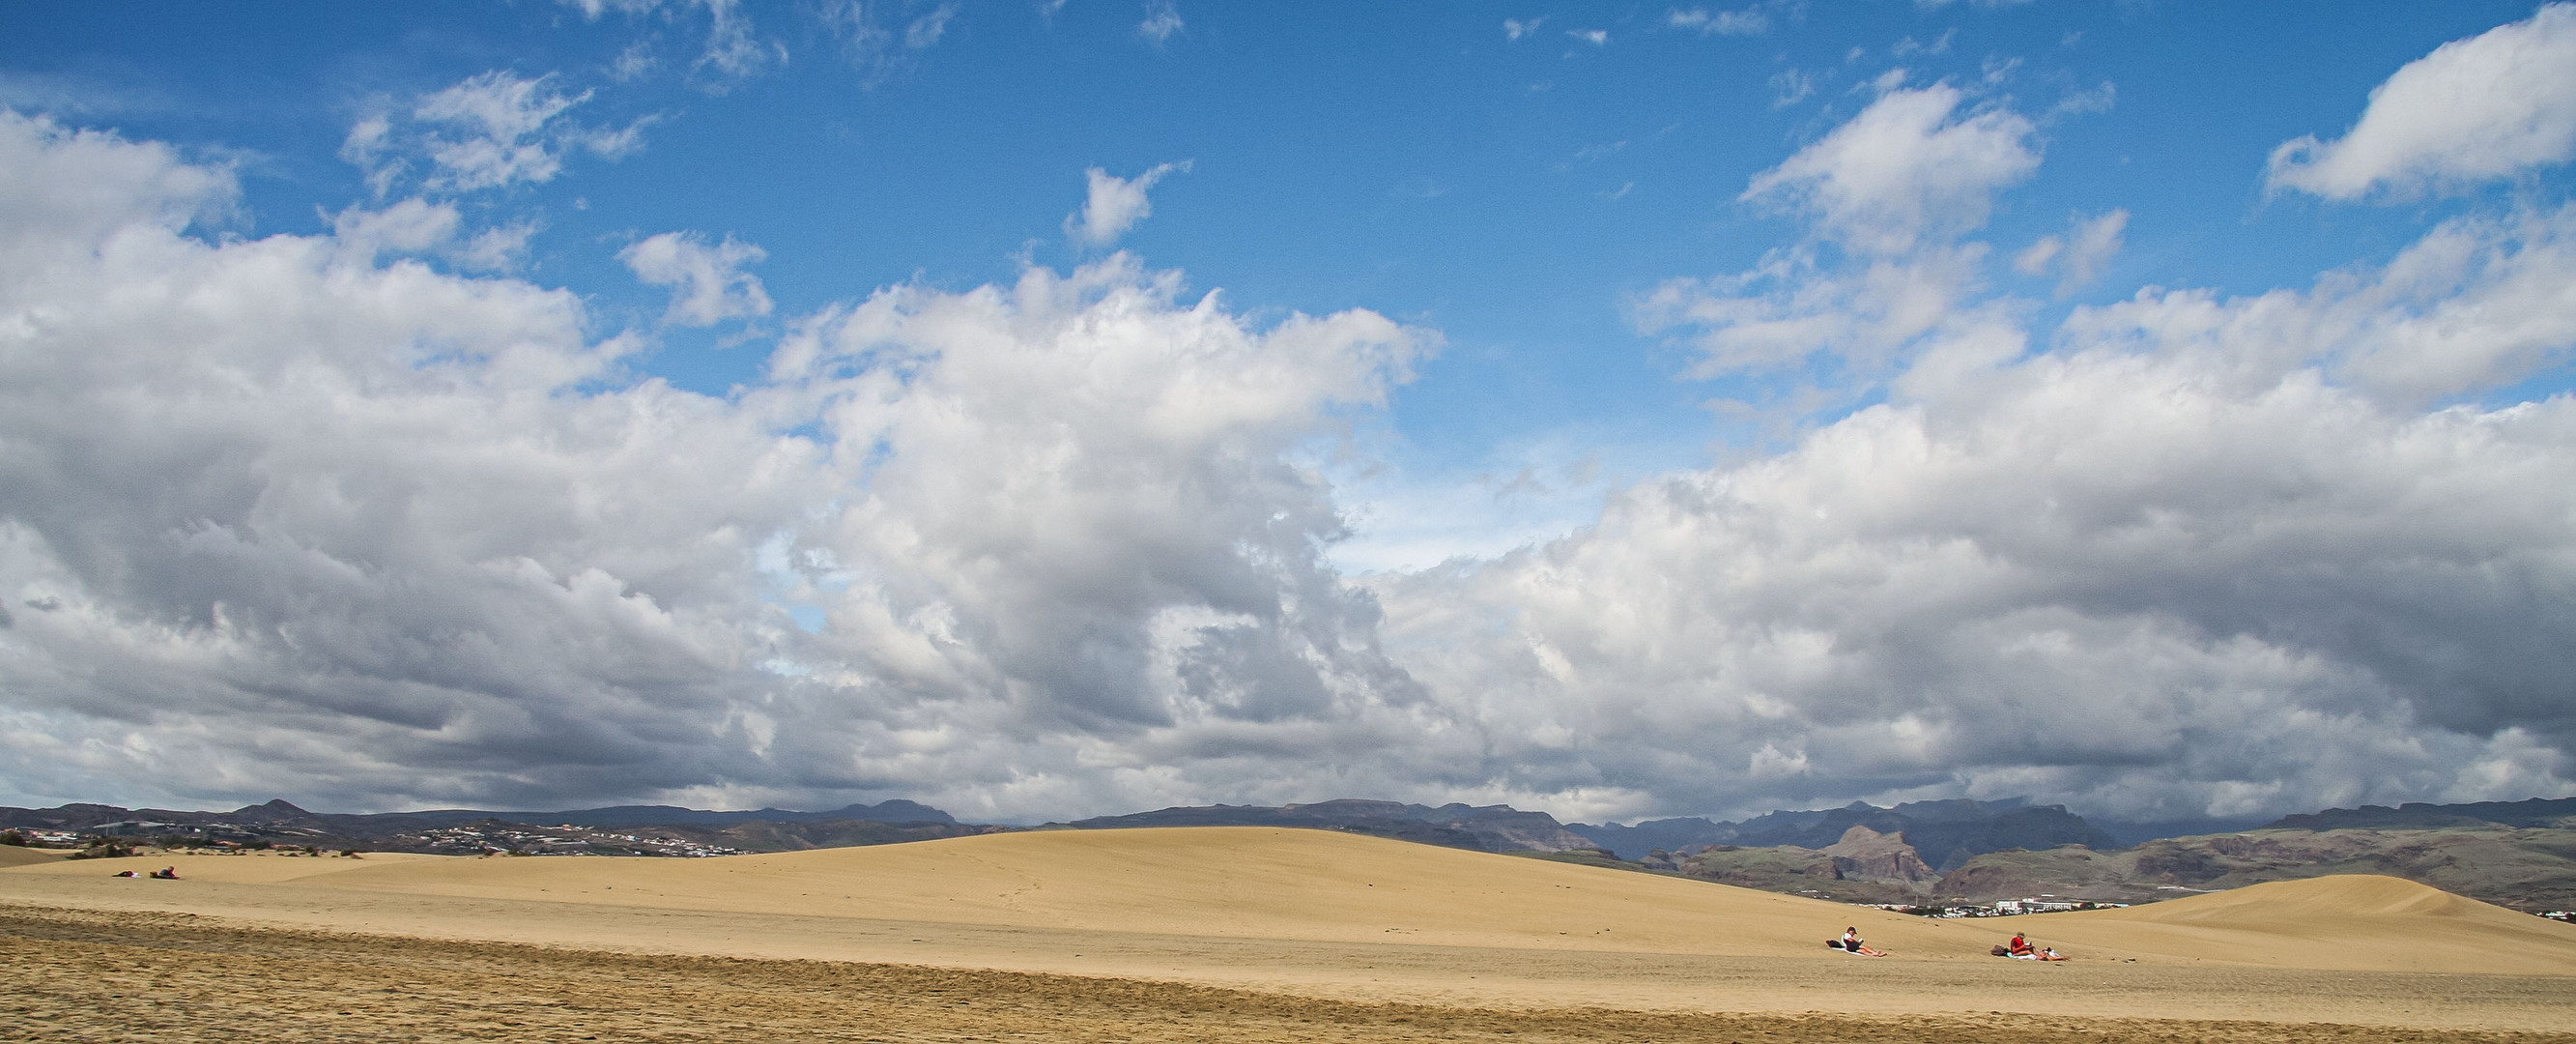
(2000, 907)
(489, 838)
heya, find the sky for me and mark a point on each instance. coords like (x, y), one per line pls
(1050, 409)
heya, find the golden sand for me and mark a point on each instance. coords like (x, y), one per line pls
(1335, 919)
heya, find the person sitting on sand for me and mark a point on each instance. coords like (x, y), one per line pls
(2021, 949)
(1851, 942)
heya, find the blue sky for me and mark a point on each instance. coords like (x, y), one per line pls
(1573, 215)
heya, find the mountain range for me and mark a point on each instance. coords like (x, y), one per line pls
(2520, 854)
(1944, 833)
(1490, 828)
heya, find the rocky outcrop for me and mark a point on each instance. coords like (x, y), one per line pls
(1867, 855)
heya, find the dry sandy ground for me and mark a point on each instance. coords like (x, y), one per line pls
(1211, 934)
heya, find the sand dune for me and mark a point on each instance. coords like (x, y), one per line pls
(1322, 886)
(1327, 915)
(1234, 882)
(2344, 923)
(13, 855)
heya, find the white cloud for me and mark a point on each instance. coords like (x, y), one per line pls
(2100, 98)
(734, 51)
(1793, 307)
(1162, 20)
(1595, 37)
(707, 283)
(489, 131)
(1909, 46)
(2489, 106)
(2035, 259)
(1908, 166)
(924, 32)
(1114, 204)
(502, 248)
(1789, 87)
(2476, 303)
(618, 144)
(1892, 190)
(500, 116)
(634, 63)
(1514, 28)
(879, 50)
(408, 227)
(2082, 253)
(592, 9)
(1748, 22)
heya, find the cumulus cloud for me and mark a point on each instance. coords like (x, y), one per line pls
(1796, 306)
(1515, 28)
(2490, 106)
(409, 227)
(708, 284)
(273, 521)
(1114, 204)
(1909, 165)
(2478, 302)
(1886, 198)
(2169, 567)
(301, 516)
(2182, 555)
